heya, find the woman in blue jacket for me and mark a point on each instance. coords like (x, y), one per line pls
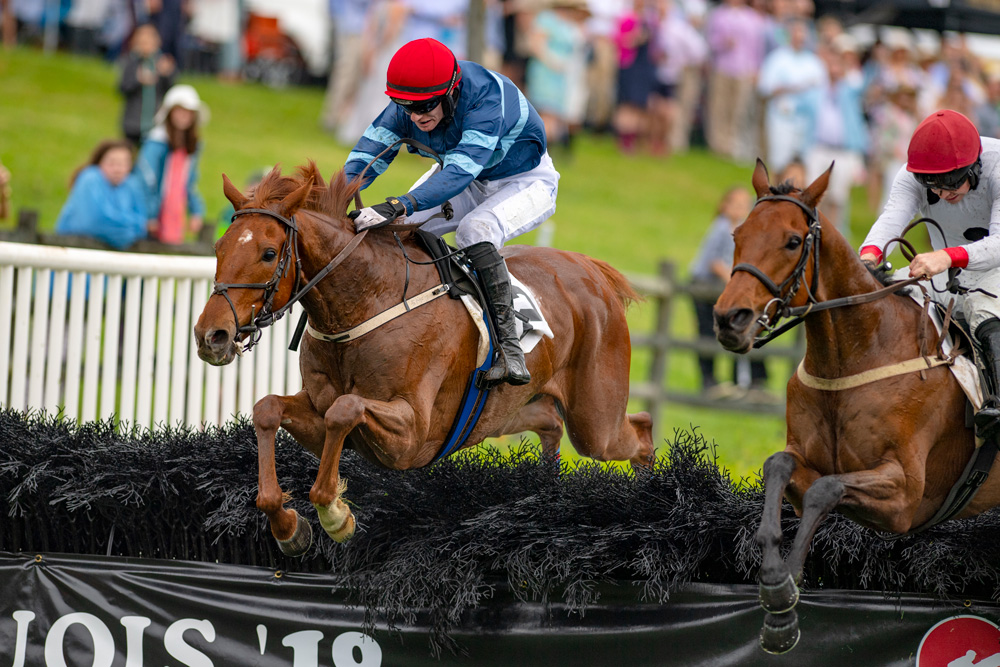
(106, 201)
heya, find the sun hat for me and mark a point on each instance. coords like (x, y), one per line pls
(184, 96)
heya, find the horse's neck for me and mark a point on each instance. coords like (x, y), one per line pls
(361, 286)
(849, 339)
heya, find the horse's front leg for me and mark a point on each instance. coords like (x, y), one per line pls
(778, 590)
(299, 417)
(391, 431)
(879, 496)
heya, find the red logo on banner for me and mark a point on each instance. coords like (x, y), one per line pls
(960, 641)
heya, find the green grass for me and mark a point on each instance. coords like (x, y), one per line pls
(630, 211)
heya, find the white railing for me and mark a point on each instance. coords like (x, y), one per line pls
(96, 334)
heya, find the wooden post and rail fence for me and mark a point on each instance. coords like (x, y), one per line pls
(666, 293)
(96, 333)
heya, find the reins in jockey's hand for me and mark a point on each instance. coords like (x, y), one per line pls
(379, 215)
(392, 205)
(909, 252)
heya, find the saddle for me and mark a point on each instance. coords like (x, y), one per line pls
(456, 273)
(453, 271)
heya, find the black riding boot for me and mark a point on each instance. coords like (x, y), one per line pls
(508, 365)
(988, 418)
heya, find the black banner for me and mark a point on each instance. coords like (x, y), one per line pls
(82, 611)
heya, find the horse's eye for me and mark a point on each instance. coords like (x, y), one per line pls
(269, 255)
(793, 243)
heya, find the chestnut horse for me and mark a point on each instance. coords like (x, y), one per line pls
(393, 393)
(885, 453)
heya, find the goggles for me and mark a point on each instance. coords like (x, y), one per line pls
(947, 182)
(418, 106)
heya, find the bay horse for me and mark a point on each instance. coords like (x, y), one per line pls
(392, 393)
(885, 453)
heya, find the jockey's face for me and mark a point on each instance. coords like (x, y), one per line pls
(953, 196)
(428, 121)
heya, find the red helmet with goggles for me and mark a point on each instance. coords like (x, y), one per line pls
(422, 69)
(945, 141)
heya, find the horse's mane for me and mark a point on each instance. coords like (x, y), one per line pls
(330, 199)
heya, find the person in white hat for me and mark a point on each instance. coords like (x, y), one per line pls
(168, 166)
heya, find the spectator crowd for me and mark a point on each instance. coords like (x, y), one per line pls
(744, 78)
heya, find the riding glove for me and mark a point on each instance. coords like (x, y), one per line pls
(372, 217)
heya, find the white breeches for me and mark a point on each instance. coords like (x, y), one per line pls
(496, 211)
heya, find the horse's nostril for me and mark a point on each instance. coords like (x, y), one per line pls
(741, 318)
(737, 319)
(218, 337)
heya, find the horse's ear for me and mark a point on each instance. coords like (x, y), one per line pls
(294, 201)
(761, 181)
(812, 195)
(233, 193)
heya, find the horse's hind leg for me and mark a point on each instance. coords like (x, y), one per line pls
(597, 423)
(542, 417)
(297, 415)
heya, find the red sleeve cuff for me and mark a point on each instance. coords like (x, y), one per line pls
(959, 257)
(872, 250)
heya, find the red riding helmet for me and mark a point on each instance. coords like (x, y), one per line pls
(945, 141)
(422, 69)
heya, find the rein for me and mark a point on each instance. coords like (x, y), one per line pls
(267, 316)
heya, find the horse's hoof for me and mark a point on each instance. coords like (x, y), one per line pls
(780, 633)
(779, 598)
(337, 520)
(346, 532)
(301, 539)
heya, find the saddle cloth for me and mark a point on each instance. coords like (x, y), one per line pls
(530, 321)
(964, 369)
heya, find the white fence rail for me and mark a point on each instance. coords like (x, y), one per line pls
(95, 334)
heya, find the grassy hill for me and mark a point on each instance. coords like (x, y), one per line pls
(630, 211)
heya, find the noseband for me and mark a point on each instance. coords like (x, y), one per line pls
(786, 291)
(267, 316)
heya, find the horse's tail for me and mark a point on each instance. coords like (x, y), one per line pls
(619, 283)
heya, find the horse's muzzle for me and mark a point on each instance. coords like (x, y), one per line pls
(735, 329)
(215, 346)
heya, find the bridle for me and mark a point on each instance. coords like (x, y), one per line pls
(267, 315)
(789, 287)
(784, 293)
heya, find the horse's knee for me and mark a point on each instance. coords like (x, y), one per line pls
(267, 413)
(779, 466)
(346, 410)
(823, 495)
